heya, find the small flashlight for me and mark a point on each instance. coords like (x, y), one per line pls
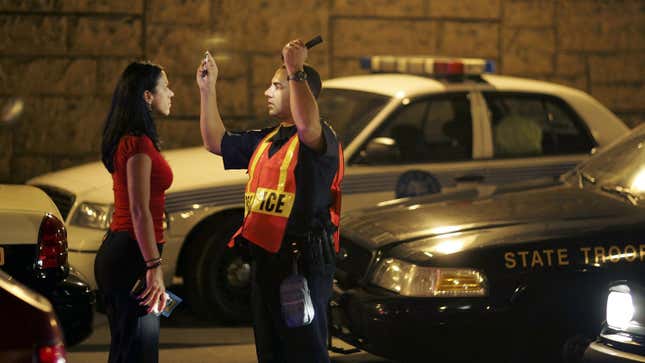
(205, 61)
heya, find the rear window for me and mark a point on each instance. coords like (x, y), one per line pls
(535, 125)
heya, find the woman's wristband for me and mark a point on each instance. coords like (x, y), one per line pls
(154, 265)
(156, 259)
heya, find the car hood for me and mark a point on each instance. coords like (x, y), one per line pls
(469, 220)
(192, 168)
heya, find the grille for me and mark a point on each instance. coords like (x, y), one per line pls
(63, 200)
(353, 262)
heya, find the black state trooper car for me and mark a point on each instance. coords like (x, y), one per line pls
(518, 273)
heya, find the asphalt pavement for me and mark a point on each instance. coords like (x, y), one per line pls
(185, 338)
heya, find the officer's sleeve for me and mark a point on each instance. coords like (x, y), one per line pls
(238, 147)
(327, 159)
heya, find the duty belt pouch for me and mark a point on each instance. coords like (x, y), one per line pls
(295, 299)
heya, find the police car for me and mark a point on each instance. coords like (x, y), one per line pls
(622, 339)
(417, 125)
(518, 272)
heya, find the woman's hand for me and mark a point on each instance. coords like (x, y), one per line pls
(206, 74)
(155, 292)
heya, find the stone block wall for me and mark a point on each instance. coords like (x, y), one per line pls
(63, 57)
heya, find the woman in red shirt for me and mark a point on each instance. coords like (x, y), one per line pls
(132, 247)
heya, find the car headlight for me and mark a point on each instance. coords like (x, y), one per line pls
(620, 307)
(625, 314)
(93, 215)
(413, 280)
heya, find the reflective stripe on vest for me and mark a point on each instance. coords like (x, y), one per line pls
(268, 205)
(334, 209)
(270, 193)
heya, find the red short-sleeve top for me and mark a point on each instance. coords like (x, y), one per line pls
(160, 180)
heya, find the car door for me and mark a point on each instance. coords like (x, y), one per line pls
(532, 136)
(423, 146)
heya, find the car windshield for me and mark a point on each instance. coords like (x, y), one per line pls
(349, 111)
(620, 169)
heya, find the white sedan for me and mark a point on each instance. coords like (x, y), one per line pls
(33, 250)
(435, 125)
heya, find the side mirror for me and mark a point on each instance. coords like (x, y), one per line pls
(380, 150)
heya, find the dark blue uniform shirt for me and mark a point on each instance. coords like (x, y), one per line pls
(314, 172)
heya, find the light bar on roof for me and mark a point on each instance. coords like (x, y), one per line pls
(437, 66)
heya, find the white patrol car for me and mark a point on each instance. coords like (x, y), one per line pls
(423, 125)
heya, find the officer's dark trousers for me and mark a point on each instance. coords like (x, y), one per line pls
(274, 341)
(134, 334)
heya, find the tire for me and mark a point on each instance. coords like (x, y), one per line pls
(218, 277)
(193, 285)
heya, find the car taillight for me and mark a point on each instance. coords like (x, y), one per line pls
(52, 354)
(52, 244)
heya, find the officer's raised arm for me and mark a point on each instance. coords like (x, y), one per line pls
(304, 108)
(210, 122)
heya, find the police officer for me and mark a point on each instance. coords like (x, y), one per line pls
(292, 201)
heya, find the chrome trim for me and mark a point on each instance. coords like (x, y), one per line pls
(605, 350)
(195, 199)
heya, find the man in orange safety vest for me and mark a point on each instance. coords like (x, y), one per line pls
(292, 201)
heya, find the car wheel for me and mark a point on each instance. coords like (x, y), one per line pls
(218, 277)
(193, 284)
(228, 281)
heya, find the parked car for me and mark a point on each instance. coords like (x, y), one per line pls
(33, 250)
(622, 338)
(456, 123)
(517, 272)
(31, 333)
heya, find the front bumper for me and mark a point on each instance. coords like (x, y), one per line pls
(616, 346)
(406, 328)
(599, 352)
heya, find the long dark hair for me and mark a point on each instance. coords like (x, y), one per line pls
(129, 113)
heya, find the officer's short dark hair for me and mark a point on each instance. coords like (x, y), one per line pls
(313, 79)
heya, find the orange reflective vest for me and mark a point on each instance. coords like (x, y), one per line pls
(271, 192)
